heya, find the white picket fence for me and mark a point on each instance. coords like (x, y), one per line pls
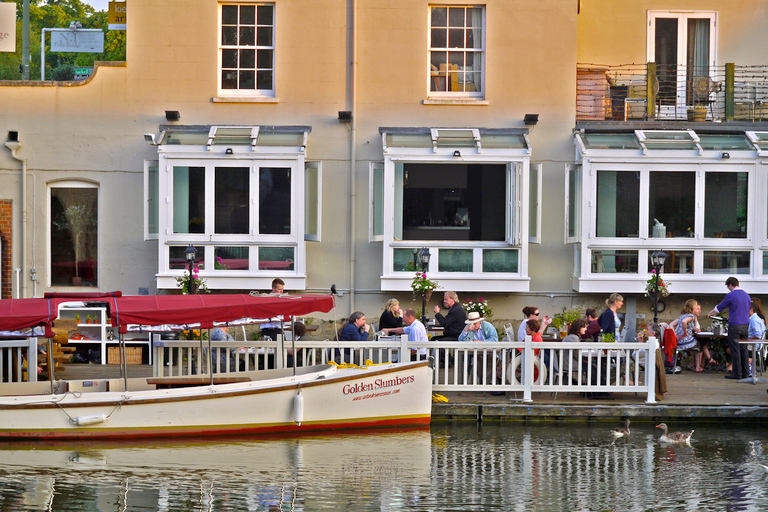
(505, 366)
(12, 353)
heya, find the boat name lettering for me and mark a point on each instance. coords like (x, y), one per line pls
(359, 387)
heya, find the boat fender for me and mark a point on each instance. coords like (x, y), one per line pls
(91, 419)
(298, 407)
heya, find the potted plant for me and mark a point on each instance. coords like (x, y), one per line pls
(423, 286)
(87, 319)
(480, 306)
(77, 318)
(564, 319)
(76, 219)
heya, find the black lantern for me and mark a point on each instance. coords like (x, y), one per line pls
(421, 257)
(657, 262)
(190, 254)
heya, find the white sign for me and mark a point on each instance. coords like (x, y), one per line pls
(78, 41)
(7, 26)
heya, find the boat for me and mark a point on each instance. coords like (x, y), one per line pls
(303, 399)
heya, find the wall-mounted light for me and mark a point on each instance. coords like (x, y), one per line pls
(725, 155)
(531, 119)
(172, 115)
(345, 116)
(457, 154)
(150, 138)
(228, 151)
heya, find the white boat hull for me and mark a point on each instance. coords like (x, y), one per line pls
(379, 396)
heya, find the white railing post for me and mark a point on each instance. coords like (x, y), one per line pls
(32, 360)
(527, 369)
(405, 352)
(650, 369)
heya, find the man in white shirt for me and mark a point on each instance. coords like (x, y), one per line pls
(415, 331)
(275, 325)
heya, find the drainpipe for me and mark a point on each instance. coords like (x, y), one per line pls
(14, 145)
(352, 54)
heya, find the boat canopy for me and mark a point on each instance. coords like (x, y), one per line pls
(19, 314)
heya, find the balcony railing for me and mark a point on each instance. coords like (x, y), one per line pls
(651, 92)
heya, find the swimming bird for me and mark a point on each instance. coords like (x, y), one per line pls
(621, 432)
(674, 437)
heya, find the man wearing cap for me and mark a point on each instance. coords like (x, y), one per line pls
(477, 329)
(415, 331)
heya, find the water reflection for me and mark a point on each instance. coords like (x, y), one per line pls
(527, 467)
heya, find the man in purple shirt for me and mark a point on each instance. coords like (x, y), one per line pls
(737, 303)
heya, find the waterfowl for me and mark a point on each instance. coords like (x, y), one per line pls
(674, 437)
(622, 432)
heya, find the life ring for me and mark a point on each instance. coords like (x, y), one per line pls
(539, 371)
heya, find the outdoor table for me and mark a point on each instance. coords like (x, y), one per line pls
(722, 340)
(753, 379)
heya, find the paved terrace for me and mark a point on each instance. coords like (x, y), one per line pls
(707, 397)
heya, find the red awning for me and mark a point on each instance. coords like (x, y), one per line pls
(18, 314)
(206, 309)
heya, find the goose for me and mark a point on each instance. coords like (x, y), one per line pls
(674, 437)
(622, 432)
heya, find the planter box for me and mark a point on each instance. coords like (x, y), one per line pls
(133, 355)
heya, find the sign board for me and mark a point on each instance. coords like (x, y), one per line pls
(78, 41)
(81, 73)
(7, 26)
(116, 15)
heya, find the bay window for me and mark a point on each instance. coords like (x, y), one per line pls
(463, 193)
(672, 190)
(242, 196)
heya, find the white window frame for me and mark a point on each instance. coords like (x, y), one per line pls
(375, 201)
(313, 191)
(682, 38)
(72, 184)
(255, 92)
(151, 196)
(534, 203)
(575, 197)
(480, 54)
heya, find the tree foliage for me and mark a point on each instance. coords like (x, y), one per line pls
(59, 14)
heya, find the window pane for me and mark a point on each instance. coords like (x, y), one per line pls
(439, 17)
(377, 200)
(265, 15)
(455, 260)
(726, 262)
(533, 202)
(499, 260)
(247, 36)
(618, 203)
(402, 260)
(264, 36)
(614, 261)
(765, 262)
(189, 200)
(574, 202)
(672, 198)
(453, 202)
(228, 36)
(247, 14)
(153, 201)
(74, 236)
(177, 258)
(231, 199)
(230, 258)
(247, 59)
(276, 258)
(274, 201)
(312, 202)
(265, 80)
(725, 205)
(678, 262)
(246, 80)
(229, 14)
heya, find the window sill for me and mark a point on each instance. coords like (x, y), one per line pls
(455, 101)
(244, 99)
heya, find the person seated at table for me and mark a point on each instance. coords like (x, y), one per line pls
(593, 326)
(299, 330)
(532, 328)
(274, 327)
(392, 316)
(453, 321)
(686, 326)
(219, 356)
(477, 329)
(415, 331)
(756, 325)
(532, 313)
(355, 330)
(576, 332)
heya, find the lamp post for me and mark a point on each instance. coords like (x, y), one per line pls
(657, 262)
(423, 259)
(190, 254)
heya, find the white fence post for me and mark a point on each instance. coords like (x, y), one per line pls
(527, 369)
(650, 370)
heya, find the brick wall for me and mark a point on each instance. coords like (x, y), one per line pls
(6, 229)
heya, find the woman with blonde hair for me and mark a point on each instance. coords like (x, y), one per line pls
(392, 317)
(609, 321)
(685, 327)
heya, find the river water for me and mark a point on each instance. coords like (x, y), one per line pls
(449, 467)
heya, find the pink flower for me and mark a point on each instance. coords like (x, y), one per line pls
(424, 276)
(653, 271)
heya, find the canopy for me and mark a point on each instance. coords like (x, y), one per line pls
(18, 314)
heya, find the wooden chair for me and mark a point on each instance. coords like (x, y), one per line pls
(62, 330)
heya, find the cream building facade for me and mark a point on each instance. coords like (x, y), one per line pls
(323, 142)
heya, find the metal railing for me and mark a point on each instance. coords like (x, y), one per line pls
(637, 92)
(516, 367)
